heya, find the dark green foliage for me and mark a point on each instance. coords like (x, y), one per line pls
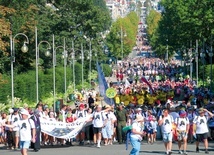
(106, 69)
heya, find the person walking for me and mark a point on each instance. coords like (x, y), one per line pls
(36, 119)
(200, 128)
(182, 129)
(99, 121)
(166, 121)
(27, 132)
(121, 122)
(136, 135)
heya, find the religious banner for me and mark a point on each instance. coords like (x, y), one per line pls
(61, 129)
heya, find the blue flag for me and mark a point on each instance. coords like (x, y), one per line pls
(103, 86)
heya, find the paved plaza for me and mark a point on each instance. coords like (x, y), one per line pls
(116, 149)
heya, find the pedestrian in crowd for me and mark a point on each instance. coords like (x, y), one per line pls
(36, 119)
(107, 130)
(166, 121)
(52, 118)
(15, 131)
(82, 113)
(191, 115)
(121, 123)
(136, 135)
(89, 127)
(91, 101)
(200, 128)
(150, 127)
(27, 132)
(99, 121)
(3, 130)
(182, 129)
(9, 131)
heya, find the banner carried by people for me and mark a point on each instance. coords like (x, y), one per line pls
(61, 129)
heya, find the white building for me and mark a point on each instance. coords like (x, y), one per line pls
(118, 8)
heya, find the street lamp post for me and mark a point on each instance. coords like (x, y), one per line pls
(122, 35)
(65, 56)
(82, 58)
(54, 69)
(167, 52)
(37, 62)
(211, 63)
(196, 59)
(73, 61)
(24, 49)
(202, 55)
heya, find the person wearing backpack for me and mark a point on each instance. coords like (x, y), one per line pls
(27, 131)
(166, 121)
(182, 129)
(136, 135)
(200, 128)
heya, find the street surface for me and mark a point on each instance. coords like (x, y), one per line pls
(116, 149)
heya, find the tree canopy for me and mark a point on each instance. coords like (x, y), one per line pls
(183, 22)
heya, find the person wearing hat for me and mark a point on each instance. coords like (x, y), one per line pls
(200, 128)
(121, 122)
(27, 132)
(136, 135)
(107, 130)
(182, 129)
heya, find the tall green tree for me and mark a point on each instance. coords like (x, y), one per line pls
(116, 39)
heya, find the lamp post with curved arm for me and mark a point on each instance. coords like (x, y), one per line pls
(24, 49)
(76, 51)
(54, 69)
(37, 62)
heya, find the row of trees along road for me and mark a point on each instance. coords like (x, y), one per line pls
(179, 26)
(180, 23)
(70, 19)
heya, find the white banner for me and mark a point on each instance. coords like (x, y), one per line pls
(61, 129)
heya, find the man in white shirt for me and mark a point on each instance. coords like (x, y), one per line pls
(99, 121)
(166, 121)
(201, 129)
(182, 126)
(26, 126)
(15, 131)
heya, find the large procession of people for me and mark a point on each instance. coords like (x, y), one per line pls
(182, 113)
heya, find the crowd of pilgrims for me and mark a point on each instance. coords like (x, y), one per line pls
(108, 121)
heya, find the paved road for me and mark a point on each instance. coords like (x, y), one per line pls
(116, 149)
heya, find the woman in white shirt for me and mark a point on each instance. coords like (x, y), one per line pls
(136, 135)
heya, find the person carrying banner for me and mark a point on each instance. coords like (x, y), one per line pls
(27, 132)
(36, 119)
(81, 113)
